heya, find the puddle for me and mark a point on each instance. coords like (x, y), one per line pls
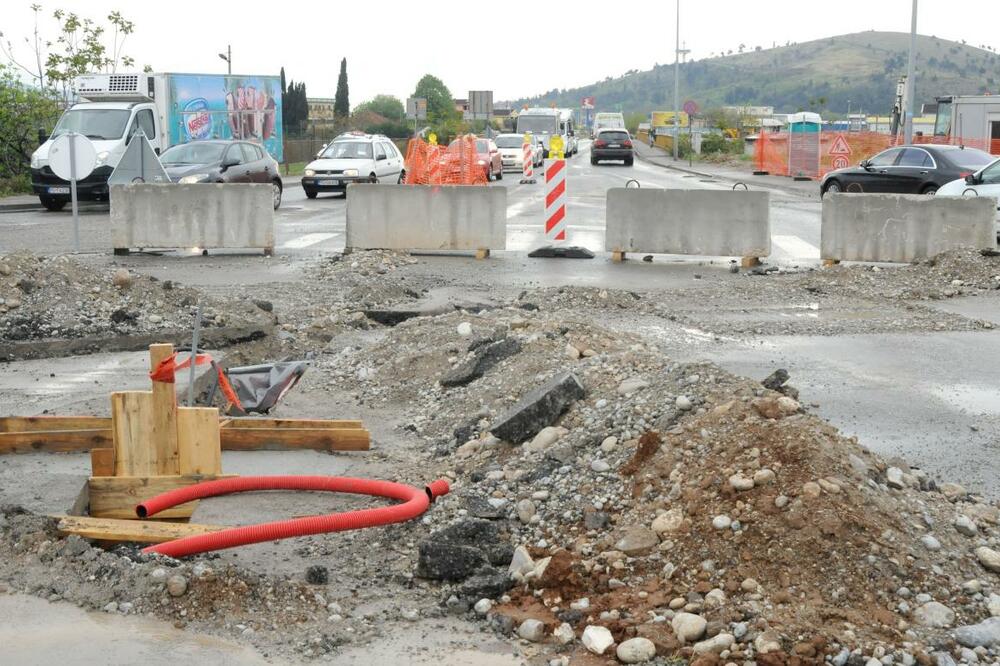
(970, 398)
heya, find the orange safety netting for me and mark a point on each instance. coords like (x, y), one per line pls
(458, 164)
(785, 154)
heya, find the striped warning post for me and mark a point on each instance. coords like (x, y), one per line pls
(555, 200)
(527, 159)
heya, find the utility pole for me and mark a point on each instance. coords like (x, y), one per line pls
(908, 125)
(677, 85)
(228, 57)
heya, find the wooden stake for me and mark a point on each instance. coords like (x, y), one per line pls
(163, 434)
(617, 256)
(749, 262)
(132, 422)
(483, 253)
(102, 462)
(198, 439)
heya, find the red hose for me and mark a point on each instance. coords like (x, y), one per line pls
(415, 502)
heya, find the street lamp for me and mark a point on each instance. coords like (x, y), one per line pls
(908, 124)
(228, 57)
(677, 85)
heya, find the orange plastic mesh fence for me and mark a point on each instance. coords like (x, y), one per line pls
(458, 164)
(841, 149)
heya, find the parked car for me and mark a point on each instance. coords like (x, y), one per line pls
(612, 144)
(354, 157)
(217, 161)
(488, 156)
(983, 183)
(512, 151)
(919, 169)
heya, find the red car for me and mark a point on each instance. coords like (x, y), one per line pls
(488, 156)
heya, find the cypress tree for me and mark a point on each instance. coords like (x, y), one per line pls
(341, 104)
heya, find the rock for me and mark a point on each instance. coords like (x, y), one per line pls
(636, 651)
(532, 630)
(564, 634)
(596, 520)
(597, 639)
(989, 558)
(177, 585)
(767, 642)
(572, 352)
(811, 490)
(722, 522)
(317, 575)
(670, 522)
(632, 385)
(464, 329)
(538, 408)
(545, 438)
(266, 306)
(483, 359)
(609, 444)
(154, 319)
(110, 607)
(637, 541)
(525, 511)
(715, 645)
(683, 403)
(122, 278)
(688, 627)
(740, 482)
(934, 614)
(985, 634)
(943, 659)
(993, 604)
(485, 582)
(763, 477)
(952, 491)
(894, 478)
(483, 607)
(964, 526)
(767, 407)
(930, 542)
(457, 551)
(600, 466)
(788, 406)
(776, 380)
(521, 562)
(749, 585)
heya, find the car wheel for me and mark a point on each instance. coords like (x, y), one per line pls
(629, 161)
(930, 190)
(489, 175)
(373, 179)
(402, 176)
(276, 193)
(310, 194)
(52, 204)
(500, 174)
(593, 161)
(833, 187)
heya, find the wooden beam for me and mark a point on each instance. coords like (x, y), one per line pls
(102, 462)
(162, 436)
(54, 441)
(198, 440)
(117, 496)
(138, 531)
(132, 421)
(287, 439)
(251, 422)
(32, 423)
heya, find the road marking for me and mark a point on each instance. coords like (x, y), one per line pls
(306, 241)
(795, 247)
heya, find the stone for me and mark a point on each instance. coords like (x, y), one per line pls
(596, 520)
(952, 491)
(781, 501)
(154, 319)
(767, 408)
(894, 478)
(669, 522)
(464, 329)
(458, 550)
(763, 477)
(539, 408)
(597, 639)
(122, 278)
(715, 645)
(636, 650)
(985, 634)
(964, 526)
(993, 604)
(788, 406)
(609, 444)
(572, 352)
(740, 482)
(632, 385)
(484, 358)
(521, 562)
(266, 306)
(525, 511)
(930, 542)
(943, 659)
(749, 585)
(767, 642)
(177, 585)
(485, 582)
(776, 380)
(934, 614)
(317, 575)
(482, 607)
(564, 634)
(532, 630)
(683, 403)
(600, 466)
(545, 438)
(989, 558)
(688, 627)
(811, 490)
(580, 604)
(722, 522)
(637, 541)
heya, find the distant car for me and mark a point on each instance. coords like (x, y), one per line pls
(488, 156)
(612, 144)
(354, 157)
(917, 169)
(216, 161)
(983, 183)
(512, 151)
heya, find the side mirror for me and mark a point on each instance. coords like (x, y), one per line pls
(230, 162)
(865, 164)
(971, 179)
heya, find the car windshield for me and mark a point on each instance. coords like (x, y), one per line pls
(969, 158)
(348, 150)
(96, 124)
(510, 141)
(194, 153)
(538, 124)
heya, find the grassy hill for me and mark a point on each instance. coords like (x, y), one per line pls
(821, 76)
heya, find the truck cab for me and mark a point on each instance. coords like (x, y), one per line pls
(113, 109)
(546, 123)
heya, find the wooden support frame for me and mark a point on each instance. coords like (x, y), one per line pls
(117, 496)
(137, 531)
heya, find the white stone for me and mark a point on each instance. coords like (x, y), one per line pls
(989, 558)
(483, 607)
(762, 477)
(525, 510)
(597, 639)
(600, 466)
(930, 542)
(688, 627)
(636, 651)
(722, 522)
(715, 645)
(740, 482)
(572, 352)
(934, 614)
(564, 634)
(545, 438)
(464, 329)
(609, 444)
(683, 403)
(580, 604)
(632, 385)
(894, 477)
(177, 585)
(993, 604)
(965, 526)
(669, 522)
(521, 562)
(532, 630)
(767, 642)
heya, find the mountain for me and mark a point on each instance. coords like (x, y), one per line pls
(821, 75)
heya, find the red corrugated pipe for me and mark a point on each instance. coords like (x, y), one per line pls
(415, 502)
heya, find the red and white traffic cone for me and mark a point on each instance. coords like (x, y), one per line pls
(555, 200)
(527, 165)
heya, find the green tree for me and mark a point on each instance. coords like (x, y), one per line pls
(440, 104)
(24, 109)
(341, 103)
(387, 106)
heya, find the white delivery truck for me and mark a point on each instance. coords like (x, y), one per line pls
(607, 120)
(169, 109)
(546, 123)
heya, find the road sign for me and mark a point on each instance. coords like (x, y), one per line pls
(416, 108)
(690, 107)
(480, 105)
(527, 161)
(840, 146)
(587, 102)
(841, 162)
(556, 147)
(555, 199)
(139, 164)
(432, 139)
(72, 156)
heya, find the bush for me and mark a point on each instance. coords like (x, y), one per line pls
(716, 143)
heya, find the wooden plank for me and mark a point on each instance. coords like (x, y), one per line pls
(198, 440)
(48, 422)
(55, 441)
(131, 419)
(285, 439)
(138, 531)
(117, 496)
(163, 433)
(250, 422)
(102, 462)
(82, 501)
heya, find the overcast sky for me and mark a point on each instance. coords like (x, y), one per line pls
(517, 48)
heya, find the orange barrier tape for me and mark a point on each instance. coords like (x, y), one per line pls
(167, 368)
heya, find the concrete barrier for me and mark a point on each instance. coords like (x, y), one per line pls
(701, 222)
(903, 227)
(446, 217)
(208, 216)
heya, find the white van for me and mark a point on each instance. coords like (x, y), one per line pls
(546, 123)
(607, 120)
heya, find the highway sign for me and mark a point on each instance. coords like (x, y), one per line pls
(416, 108)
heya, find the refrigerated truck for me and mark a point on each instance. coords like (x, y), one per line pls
(169, 109)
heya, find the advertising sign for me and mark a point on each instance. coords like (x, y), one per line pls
(666, 119)
(245, 108)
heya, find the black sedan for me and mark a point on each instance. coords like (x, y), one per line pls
(919, 169)
(215, 161)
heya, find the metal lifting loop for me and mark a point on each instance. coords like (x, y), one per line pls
(628, 183)
(735, 185)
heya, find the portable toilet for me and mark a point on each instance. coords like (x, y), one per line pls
(803, 145)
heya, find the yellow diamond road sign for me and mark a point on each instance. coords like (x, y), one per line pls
(432, 139)
(556, 146)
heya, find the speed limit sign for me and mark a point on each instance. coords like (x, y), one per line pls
(840, 162)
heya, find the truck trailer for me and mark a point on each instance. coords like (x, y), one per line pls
(169, 109)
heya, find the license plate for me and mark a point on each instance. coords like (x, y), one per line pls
(614, 145)
(58, 190)
(328, 181)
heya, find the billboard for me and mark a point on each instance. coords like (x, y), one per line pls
(666, 119)
(217, 106)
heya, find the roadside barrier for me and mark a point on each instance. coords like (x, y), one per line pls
(400, 217)
(527, 164)
(555, 200)
(458, 164)
(205, 215)
(903, 227)
(693, 222)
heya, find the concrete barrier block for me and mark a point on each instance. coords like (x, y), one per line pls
(700, 222)
(206, 215)
(903, 227)
(446, 217)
